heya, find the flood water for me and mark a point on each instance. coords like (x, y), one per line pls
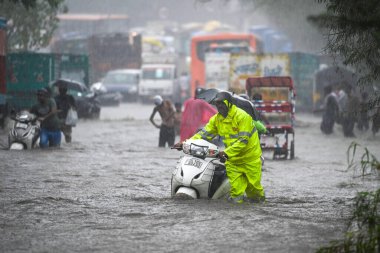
(109, 191)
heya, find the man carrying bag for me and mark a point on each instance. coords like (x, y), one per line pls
(66, 111)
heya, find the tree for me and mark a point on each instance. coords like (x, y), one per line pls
(31, 23)
(31, 3)
(352, 29)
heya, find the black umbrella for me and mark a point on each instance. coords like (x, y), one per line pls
(70, 84)
(208, 95)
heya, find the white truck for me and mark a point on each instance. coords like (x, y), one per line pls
(158, 77)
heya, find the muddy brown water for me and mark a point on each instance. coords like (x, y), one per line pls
(109, 191)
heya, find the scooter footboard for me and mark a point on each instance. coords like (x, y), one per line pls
(218, 187)
(223, 190)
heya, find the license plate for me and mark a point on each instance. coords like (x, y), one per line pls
(194, 162)
(21, 125)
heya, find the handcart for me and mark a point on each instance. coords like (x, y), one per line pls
(274, 98)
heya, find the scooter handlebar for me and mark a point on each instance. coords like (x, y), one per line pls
(178, 146)
(222, 159)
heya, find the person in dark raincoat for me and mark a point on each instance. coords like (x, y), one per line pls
(330, 110)
(350, 113)
(363, 121)
(376, 121)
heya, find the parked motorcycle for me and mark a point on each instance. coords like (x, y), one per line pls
(106, 98)
(88, 106)
(25, 131)
(200, 173)
(87, 102)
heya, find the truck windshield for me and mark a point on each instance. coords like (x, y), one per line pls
(120, 78)
(157, 73)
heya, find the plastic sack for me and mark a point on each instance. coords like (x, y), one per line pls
(72, 117)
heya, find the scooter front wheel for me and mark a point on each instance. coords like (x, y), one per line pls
(16, 146)
(186, 193)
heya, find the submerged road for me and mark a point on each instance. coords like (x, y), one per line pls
(109, 191)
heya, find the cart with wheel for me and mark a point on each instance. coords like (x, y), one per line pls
(274, 98)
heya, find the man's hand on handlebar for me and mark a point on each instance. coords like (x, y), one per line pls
(177, 146)
(222, 156)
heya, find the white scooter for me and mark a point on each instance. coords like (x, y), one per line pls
(25, 131)
(200, 172)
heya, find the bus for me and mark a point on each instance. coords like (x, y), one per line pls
(213, 42)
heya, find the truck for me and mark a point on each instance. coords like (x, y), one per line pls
(157, 79)
(230, 71)
(105, 51)
(26, 72)
(158, 71)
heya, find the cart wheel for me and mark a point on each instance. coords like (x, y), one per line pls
(274, 155)
(292, 150)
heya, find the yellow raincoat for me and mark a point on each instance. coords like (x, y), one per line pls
(243, 149)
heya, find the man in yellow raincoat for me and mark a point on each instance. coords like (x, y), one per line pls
(243, 151)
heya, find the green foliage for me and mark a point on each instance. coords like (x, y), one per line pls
(368, 164)
(31, 24)
(33, 3)
(352, 29)
(363, 233)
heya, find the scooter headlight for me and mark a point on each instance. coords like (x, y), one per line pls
(195, 150)
(198, 151)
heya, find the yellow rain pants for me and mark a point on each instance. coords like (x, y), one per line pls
(245, 178)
